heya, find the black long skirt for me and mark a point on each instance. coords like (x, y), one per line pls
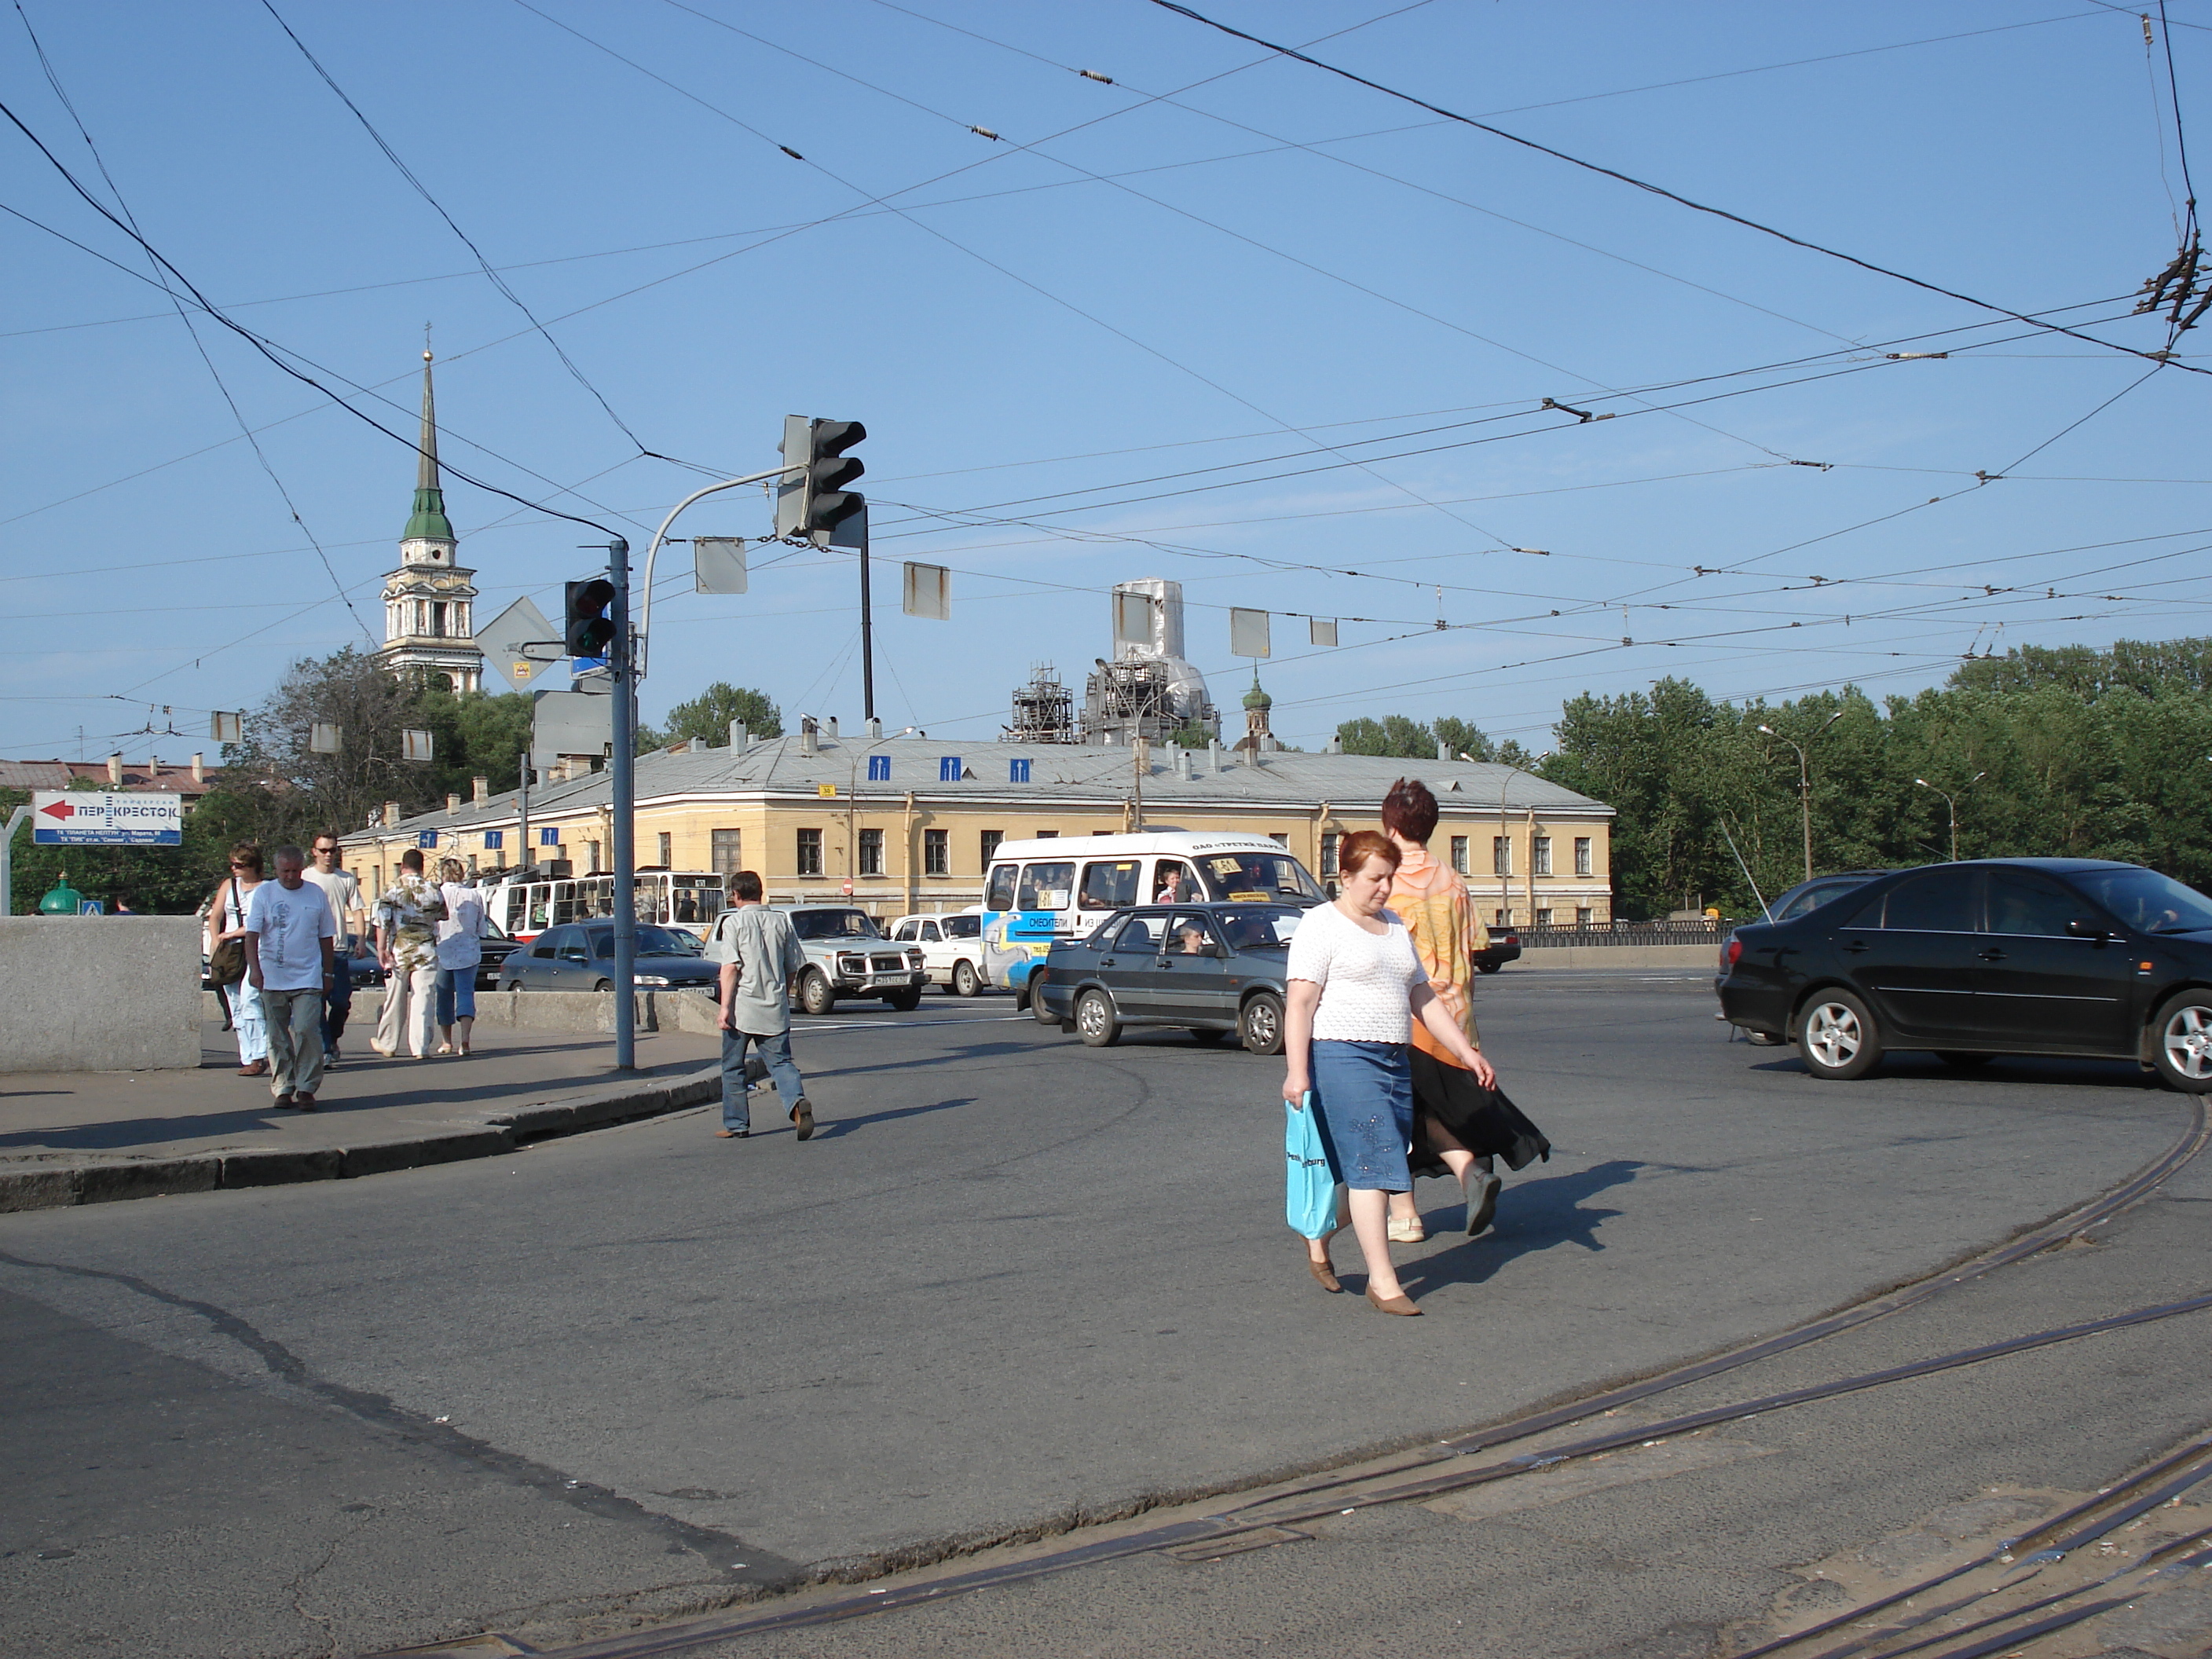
(1483, 1121)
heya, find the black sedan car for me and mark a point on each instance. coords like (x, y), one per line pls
(580, 957)
(1211, 968)
(1996, 956)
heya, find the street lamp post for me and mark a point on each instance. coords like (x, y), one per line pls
(1952, 801)
(853, 806)
(1504, 858)
(1805, 783)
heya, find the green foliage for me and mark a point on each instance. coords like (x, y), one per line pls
(706, 718)
(1402, 738)
(2079, 753)
(1191, 736)
(151, 880)
(474, 734)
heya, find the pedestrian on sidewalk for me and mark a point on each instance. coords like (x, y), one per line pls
(227, 925)
(407, 918)
(289, 934)
(460, 954)
(1356, 987)
(759, 953)
(341, 888)
(1451, 1110)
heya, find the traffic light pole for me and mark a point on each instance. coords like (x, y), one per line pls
(623, 776)
(652, 548)
(867, 630)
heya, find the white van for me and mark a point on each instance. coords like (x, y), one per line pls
(1041, 891)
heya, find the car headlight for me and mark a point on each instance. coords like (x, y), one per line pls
(852, 965)
(913, 958)
(658, 982)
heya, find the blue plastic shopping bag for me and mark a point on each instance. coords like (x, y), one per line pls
(1309, 1193)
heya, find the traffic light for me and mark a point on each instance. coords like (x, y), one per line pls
(816, 502)
(589, 631)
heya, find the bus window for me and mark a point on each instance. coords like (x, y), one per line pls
(1002, 896)
(518, 899)
(1173, 883)
(1110, 886)
(696, 900)
(1044, 887)
(564, 902)
(539, 920)
(1251, 876)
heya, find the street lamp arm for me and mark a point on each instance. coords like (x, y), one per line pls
(652, 549)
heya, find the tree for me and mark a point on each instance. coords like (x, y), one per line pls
(1193, 736)
(1463, 738)
(473, 735)
(305, 790)
(1404, 739)
(706, 718)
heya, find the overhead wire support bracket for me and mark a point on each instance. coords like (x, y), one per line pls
(1583, 415)
(652, 549)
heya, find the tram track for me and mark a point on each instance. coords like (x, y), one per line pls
(1445, 1467)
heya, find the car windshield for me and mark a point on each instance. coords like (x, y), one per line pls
(651, 942)
(1258, 929)
(963, 926)
(2145, 899)
(834, 923)
(1249, 876)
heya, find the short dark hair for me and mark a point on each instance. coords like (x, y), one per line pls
(329, 835)
(412, 859)
(247, 853)
(1357, 848)
(746, 884)
(1409, 809)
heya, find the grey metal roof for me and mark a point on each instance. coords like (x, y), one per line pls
(1059, 773)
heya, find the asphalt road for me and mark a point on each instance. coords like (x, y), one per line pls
(1015, 1281)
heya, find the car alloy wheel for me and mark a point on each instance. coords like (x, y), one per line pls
(2183, 1050)
(1837, 1037)
(1094, 1020)
(1261, 1023)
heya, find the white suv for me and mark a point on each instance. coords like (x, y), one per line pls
(847, 956)
(952, 948)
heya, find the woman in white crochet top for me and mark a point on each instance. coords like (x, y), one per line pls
(1356, 987)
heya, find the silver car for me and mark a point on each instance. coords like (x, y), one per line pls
(848, 956)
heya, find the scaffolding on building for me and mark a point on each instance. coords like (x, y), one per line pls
(1136, 697)
(1044, 710)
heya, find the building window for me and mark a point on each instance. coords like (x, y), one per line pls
(591, 849)
(872, 852)
(438, 620)
(937, 852)
(1501, 856)
(1544, 918)
(1581, 915)
(1282, 840)
(1501, 918)
(1328, 841)
(494, 840)
(949, 769)
(990, 839)
(1017, 771)
(667, 850)
(549, 837)
(728, 846)
(1047, 835)
(879, 768)
(810, 852)
(1459, 854)
(1540, 855)
(1581, 856)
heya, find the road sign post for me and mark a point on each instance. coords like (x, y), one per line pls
(8, 861)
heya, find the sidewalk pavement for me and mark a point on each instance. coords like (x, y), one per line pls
(88, 1138)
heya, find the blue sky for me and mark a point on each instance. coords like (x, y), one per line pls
(1229, 319)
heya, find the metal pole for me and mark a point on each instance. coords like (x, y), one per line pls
(1805, 806)
(624, 791)
(8, 859)
(868, 634)
(522, 859)
(652, 548)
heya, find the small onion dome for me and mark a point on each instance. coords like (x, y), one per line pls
(1256, 698)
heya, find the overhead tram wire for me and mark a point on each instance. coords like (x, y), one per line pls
(1660, 191)
(246, 430)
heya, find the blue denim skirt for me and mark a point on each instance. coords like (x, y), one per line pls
(1364, 1106)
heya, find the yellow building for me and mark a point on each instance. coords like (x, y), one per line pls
(909, 823)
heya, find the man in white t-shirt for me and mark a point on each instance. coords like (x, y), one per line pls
(288, 934)
(342, 889)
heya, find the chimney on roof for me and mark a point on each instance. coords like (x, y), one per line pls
(738, 736)
(1444, 750)
(391, 813)
(453, 804)
(833, 725)
(875, 726)
(1182, 761)
(115, 769)
(1213, 754)
(199, 769)
(808, 735)
(482, 789)
(1335, 746)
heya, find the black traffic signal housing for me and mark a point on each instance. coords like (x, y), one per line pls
(589, 631)
(816, 502)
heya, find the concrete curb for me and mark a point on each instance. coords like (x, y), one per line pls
(504, 1130)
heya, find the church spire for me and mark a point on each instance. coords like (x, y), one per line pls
(429, 522)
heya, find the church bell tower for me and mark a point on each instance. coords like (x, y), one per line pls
(428, 601)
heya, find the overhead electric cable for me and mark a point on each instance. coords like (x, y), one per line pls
(1660, 191)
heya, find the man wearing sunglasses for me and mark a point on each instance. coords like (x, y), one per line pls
(342, 888)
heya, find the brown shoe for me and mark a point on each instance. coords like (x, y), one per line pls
(283, 1100)
(259, 1068)
(1325, 1276)
(303, 1103)
(803, 1115)
(732, 1134)
(1399, 1304)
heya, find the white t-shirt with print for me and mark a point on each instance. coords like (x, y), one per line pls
(1365, 978)
(292, 927)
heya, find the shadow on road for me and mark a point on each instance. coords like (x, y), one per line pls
(1532, 1216)
(845, 1126)
(2041, 1070)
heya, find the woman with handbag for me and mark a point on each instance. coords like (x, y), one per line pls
(227, 958)
(1356, 987)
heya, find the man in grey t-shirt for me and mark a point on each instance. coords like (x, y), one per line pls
(759, 953)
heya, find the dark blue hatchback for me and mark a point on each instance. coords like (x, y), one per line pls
(1211, 969)
(1996, 956)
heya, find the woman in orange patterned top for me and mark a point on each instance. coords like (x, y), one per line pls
(1432, 900)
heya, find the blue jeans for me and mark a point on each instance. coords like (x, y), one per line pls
(775, 1049)
(1364, 1108)
(338, 1003)
(457, 994)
